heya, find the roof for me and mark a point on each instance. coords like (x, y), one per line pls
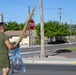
(15, 33)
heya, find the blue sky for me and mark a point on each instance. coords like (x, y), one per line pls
(17, 10)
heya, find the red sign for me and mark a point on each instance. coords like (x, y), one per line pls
(31, 24)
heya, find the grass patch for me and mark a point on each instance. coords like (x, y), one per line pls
(73, 48)
(65, 50)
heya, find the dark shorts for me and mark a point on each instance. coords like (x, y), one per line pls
(4, 62)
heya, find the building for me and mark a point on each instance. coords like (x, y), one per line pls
(14, 36)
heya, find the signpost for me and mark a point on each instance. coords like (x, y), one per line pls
(31, 25)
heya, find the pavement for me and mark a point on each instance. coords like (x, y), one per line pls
(49, 61)
(56, 57)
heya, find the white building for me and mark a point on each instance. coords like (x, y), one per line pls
(14, 36)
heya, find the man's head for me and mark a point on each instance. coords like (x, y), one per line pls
(2, 27)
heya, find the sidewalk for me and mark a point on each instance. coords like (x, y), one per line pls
(56, 59)
(50, 60)
(68, 58)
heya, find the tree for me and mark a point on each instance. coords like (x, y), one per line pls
(21, 25)
(52, 29)
(37, 28)
(12, 26)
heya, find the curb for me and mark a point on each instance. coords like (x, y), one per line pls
(65, 61)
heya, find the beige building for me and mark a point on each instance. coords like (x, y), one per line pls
(14, 36)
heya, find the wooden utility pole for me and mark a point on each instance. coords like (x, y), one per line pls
(42, 54)
(60, 13)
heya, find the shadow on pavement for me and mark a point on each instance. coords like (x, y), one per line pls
(61, 51)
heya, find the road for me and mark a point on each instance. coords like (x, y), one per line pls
(26, 51)
(48, 47)
(36, 49)
(40, 69)
(37, 69)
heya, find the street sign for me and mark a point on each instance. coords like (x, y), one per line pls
(31, 24)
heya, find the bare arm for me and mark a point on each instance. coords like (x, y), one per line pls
(9, 45)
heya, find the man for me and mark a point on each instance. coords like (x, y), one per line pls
(5, 45)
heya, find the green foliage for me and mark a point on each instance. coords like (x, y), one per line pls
(73, 29)
(21, 25)
(14, 26)
(53, 29)
(37, 42)
(38, 29)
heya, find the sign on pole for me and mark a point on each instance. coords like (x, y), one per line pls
(31, 24)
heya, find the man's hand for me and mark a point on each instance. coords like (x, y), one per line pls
(18, 45)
